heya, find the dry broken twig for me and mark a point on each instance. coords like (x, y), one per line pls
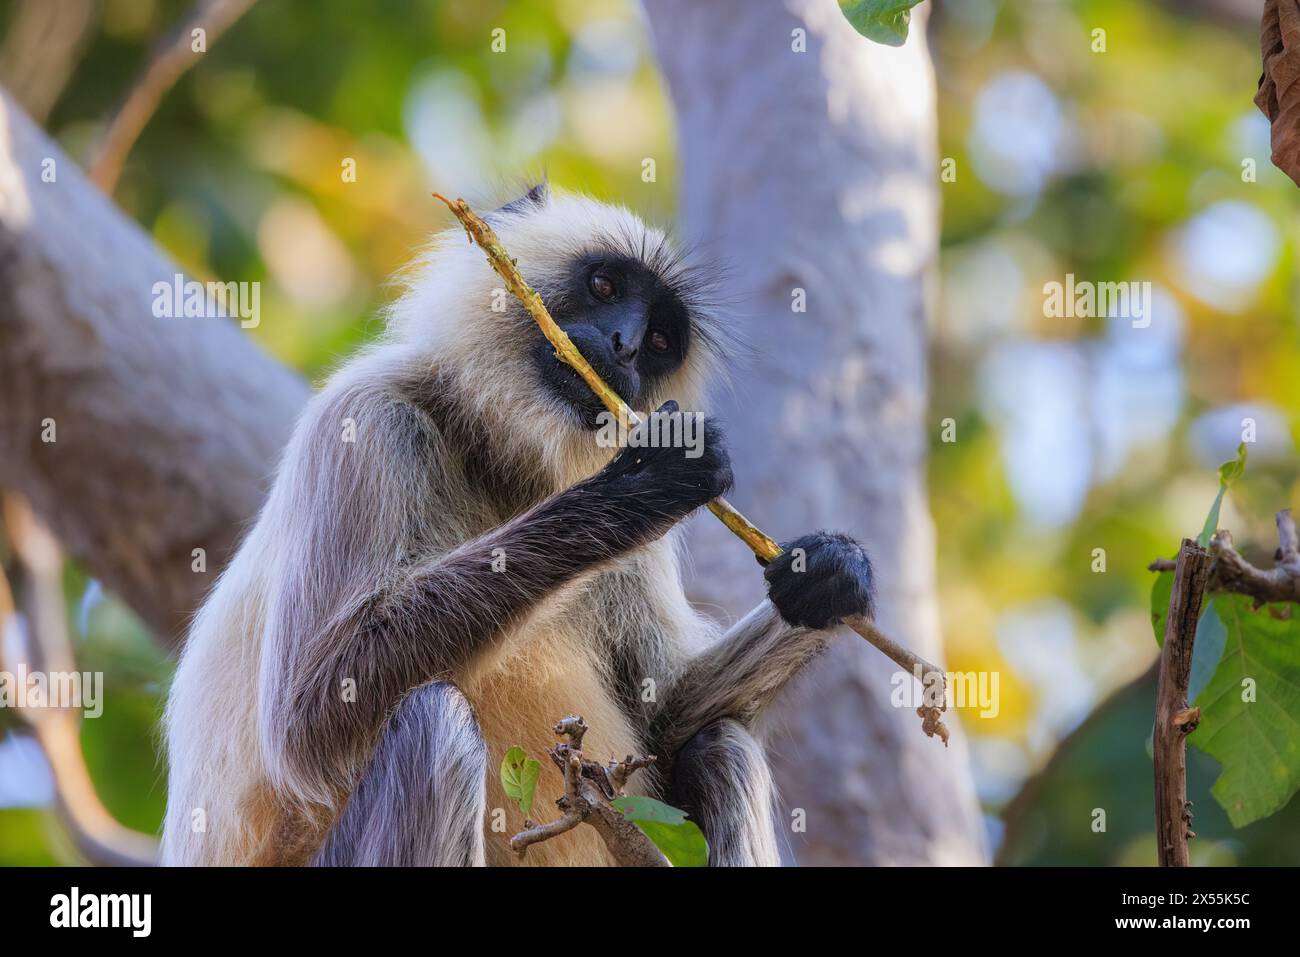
(1231, 573)
(589, 790)
(1174, 719)
(933, 680)
(1278, 96)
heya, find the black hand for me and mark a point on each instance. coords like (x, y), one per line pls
(670, 482)
(819, 579)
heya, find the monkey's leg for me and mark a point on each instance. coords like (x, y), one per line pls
(721, 779)
(422, 798)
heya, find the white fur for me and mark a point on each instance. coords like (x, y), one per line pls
(231, 799)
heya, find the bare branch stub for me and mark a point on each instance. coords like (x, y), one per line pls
(572, 727)
(1231, 572)
(617, 772)
(588, 790)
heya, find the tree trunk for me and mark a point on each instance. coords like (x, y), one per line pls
(809, 170)
(816, 172)
(165, 431)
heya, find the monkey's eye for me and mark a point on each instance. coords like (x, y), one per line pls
(658, 341)
(602, 286)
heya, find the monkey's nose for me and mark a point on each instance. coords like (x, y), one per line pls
(622, 352)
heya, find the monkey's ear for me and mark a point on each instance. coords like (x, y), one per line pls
(535, 198)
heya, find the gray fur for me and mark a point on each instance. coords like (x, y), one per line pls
(738, 677)
(421, 800)
(721, 779)
(364, 601)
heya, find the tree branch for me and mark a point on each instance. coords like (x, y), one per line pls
(588, 791)
(169, 62)
(136, 439)
(1232, 573)
(45, 647)
(1174, 719)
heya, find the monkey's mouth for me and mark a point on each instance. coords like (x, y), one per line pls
(574, 393)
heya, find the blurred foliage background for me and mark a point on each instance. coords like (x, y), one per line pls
(1071, 434)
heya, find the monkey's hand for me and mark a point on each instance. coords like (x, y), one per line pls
(665, 482)
(819, 579)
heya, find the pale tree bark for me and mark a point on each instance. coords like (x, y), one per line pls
(812, 170)
(166, 431)
(817, 171)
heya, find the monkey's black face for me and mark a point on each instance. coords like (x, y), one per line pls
(628, 323)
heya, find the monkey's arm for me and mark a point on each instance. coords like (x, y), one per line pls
(818, 580)
(351, 628)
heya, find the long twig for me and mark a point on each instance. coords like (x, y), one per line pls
(588, 791)
(167, 65)
(47, 648)
(933, 680)
(1174, 719)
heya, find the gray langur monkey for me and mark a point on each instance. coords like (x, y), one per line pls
(448, 562)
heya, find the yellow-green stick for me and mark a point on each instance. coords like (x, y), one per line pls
(763, 546)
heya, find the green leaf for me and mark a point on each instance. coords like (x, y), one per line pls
(1212, 520)
(1229, 472)
(683, 844)
(1207, 653)
(680, 840)
(519, 774)
(1257, 742)
(635, 807)
(884, 21)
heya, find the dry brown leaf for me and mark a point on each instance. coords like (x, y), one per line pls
(1279, 93)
